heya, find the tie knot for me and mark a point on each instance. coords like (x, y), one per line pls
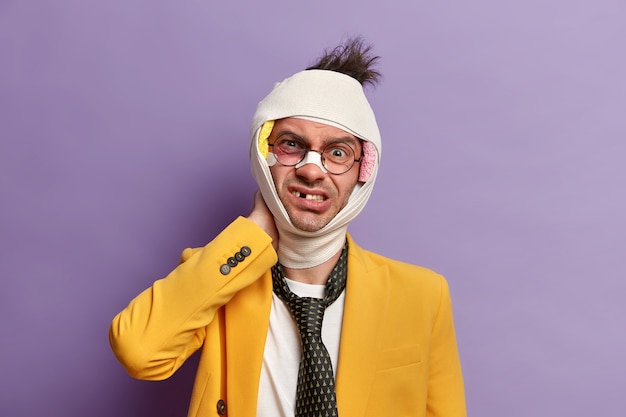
(308, 314)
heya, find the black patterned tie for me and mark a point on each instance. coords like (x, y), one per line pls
(315, 394)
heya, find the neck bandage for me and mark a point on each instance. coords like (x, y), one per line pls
(330, 98)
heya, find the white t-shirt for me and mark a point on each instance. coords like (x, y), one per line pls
(281, 358)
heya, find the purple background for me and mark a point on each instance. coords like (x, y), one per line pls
(123, 139)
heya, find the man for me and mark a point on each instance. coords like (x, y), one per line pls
(253, 299)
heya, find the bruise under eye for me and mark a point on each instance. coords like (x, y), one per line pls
(290, 145)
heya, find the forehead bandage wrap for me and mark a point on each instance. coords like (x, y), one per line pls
(333, 99)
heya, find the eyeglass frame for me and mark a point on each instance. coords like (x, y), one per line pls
(321, 153)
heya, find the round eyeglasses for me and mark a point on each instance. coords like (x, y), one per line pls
(337, 157)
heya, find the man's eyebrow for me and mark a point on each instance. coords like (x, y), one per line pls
(290, 133)
(347, 139)
(351, 141)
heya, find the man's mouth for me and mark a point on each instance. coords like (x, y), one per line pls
(314, 197)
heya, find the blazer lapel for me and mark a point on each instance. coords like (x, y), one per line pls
(366, 297)
(247, 321)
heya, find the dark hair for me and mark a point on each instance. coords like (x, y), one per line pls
(353, 58)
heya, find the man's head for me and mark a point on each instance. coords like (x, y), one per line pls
(318, 114)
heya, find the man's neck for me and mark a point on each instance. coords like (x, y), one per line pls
(317, 275)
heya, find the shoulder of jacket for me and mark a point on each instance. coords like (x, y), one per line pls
(395, 267)
(188, 253)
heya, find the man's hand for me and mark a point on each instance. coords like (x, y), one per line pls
(262, 216)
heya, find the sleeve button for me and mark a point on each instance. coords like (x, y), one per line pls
(225, 269)
(246, 251)
(221, 407)
(232, 262)
(239, 256)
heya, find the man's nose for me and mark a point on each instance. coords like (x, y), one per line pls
(312, 157)
(310, 169)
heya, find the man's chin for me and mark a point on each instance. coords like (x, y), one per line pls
(308, 220)
(308, 223)
(307, 227)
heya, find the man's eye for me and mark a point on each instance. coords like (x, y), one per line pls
(338, 153)
(290, 146)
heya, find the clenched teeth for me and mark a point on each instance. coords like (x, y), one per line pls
(315, 197)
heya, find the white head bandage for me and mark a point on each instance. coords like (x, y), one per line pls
(330, 98)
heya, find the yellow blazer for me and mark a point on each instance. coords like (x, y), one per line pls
(398, 353)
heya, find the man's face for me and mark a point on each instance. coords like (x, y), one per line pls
(312, 197)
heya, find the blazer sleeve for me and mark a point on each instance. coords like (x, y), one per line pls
(446, 396)
(166, 323)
